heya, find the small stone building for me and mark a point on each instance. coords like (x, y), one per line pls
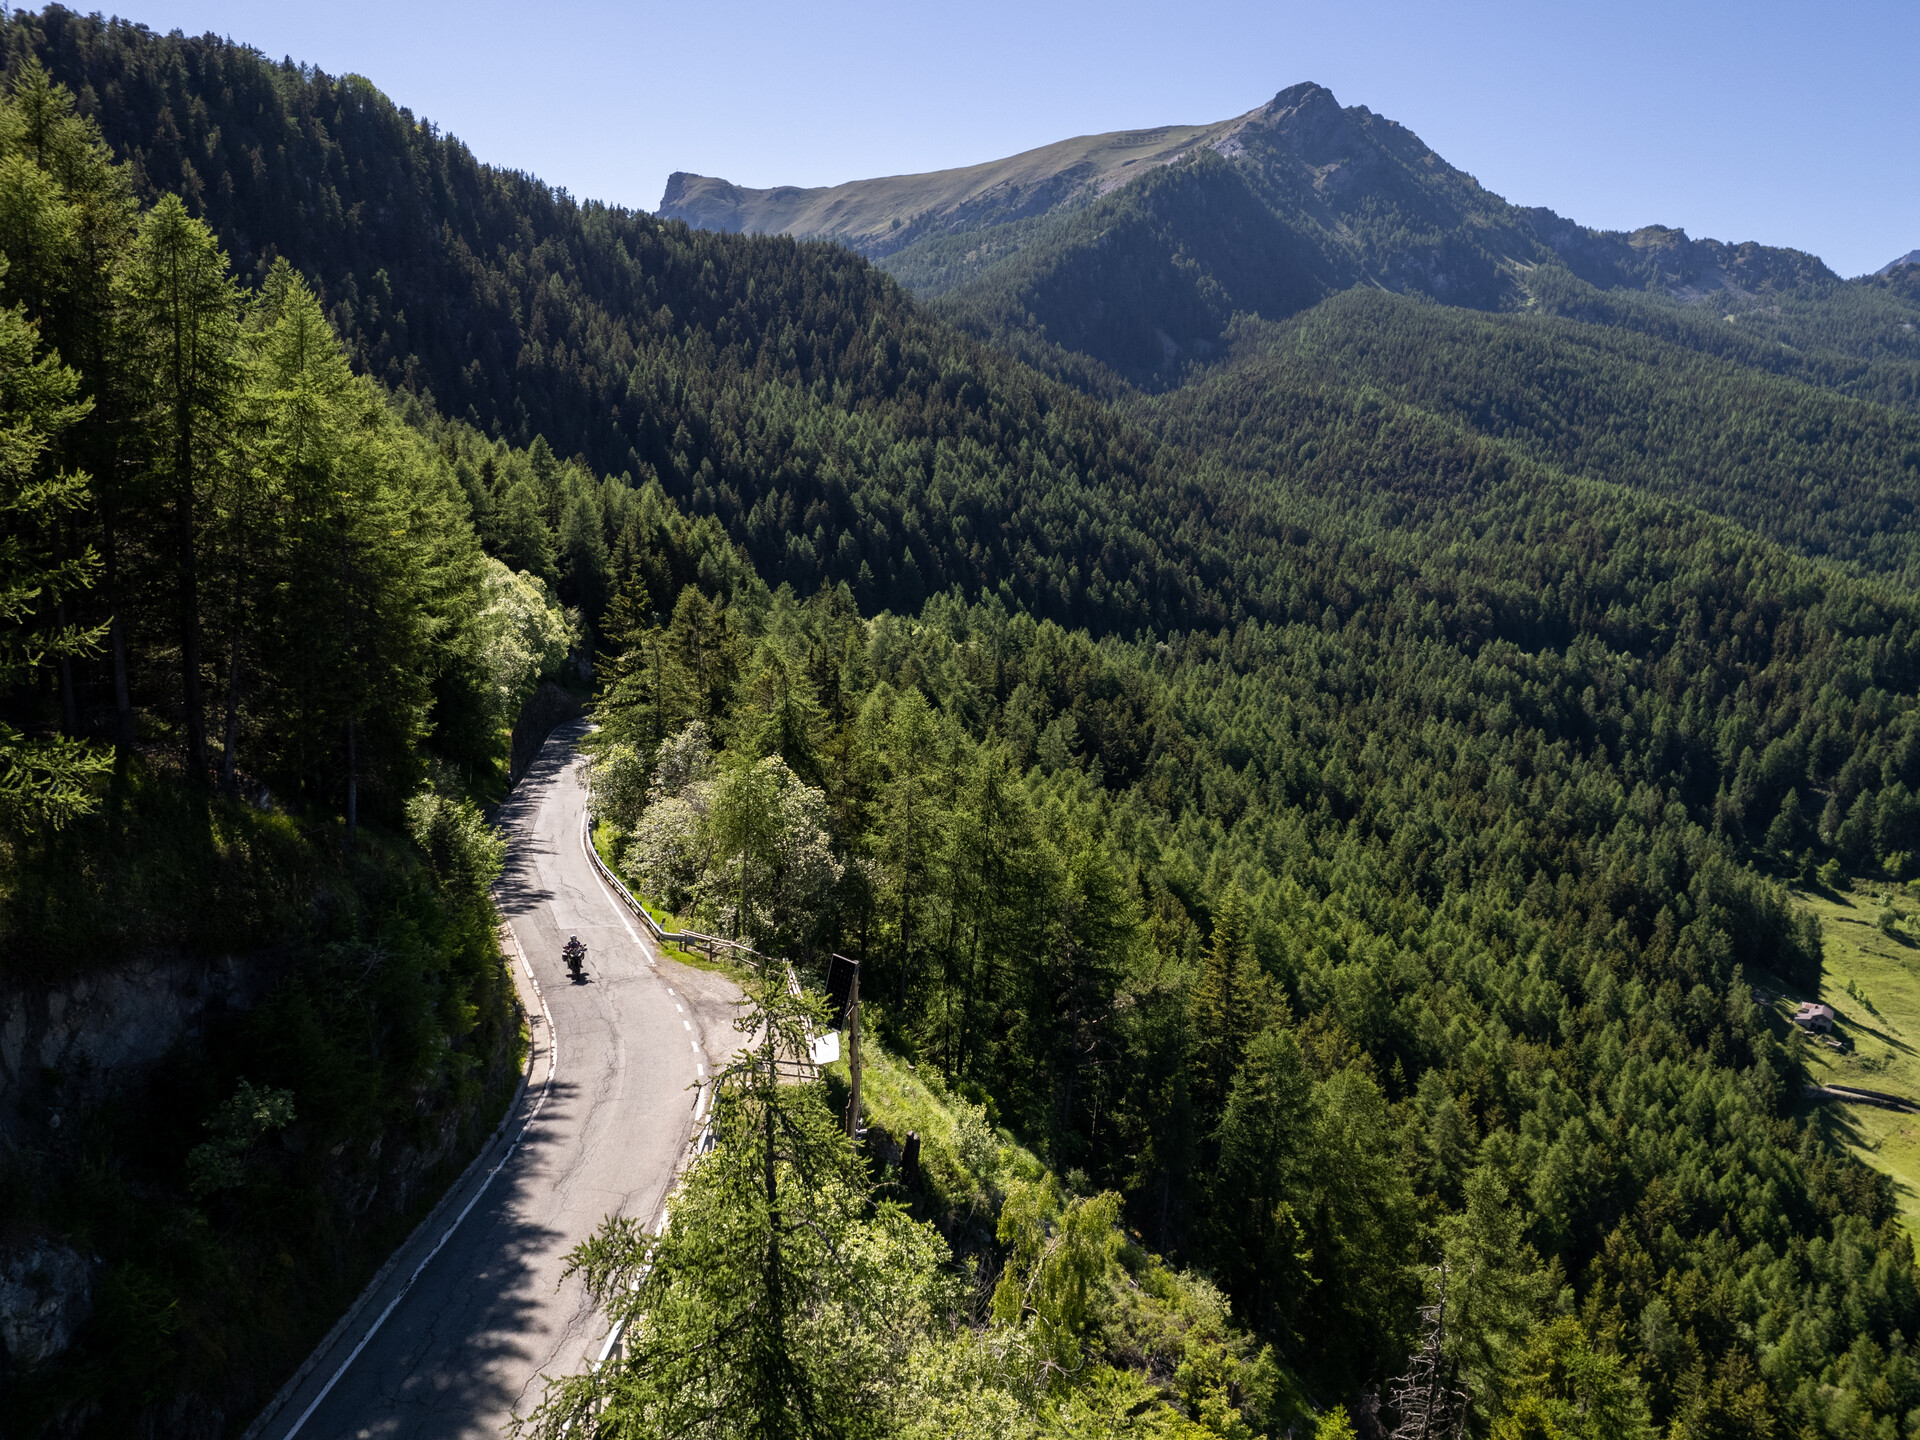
(1814, 1019)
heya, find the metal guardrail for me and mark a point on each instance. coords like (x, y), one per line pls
(712, 944)
(687, 939)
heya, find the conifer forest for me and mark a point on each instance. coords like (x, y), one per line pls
(1335, 788)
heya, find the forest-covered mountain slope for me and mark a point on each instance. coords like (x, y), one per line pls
(1424, 918)
(1333, 815)
(837, 431)
(1861, 339)
(1818, 472)
(791, 392)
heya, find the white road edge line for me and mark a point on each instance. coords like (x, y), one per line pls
(700, 1098)
(586, 842)
(702, 1092)
(546, 1086)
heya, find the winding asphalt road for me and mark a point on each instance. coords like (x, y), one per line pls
(473, 1312)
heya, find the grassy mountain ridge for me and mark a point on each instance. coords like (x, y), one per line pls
(880, 217)
(1353, 199)
(1393, 209)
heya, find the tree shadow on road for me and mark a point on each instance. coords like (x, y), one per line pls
(467, 1346)
(519, 889)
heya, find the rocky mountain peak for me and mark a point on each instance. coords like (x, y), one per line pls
(1309, 120)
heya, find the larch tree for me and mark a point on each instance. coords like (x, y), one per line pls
(780, 1300)
(182, 309)
(1228, 1002)
(66, 216)
(42, 779)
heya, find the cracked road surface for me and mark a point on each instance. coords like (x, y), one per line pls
(464, 1347)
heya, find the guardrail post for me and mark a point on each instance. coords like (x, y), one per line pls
(853, 1051)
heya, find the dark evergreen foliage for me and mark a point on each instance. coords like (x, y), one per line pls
(1339, 806)
(1818, 472)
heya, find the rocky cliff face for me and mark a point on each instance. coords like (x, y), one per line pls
(547, 707)
(46, 1295)
(64, 1049)
(70, 1045)
(110, 1043)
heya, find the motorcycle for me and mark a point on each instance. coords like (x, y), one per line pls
(575, 954)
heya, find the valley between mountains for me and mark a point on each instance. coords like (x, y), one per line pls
(1339, 719)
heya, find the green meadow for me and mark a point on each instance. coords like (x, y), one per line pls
(1871, 978)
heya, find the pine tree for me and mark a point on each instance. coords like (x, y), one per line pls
(1094, 929)
(760, 1310)
(996, 885)
(629, 615)
(583, 555)
(910, 823)
(1266, 1138)
(41, 780)
(706, 648)
(182, 315)
(67, 210)
(367, 582)
(745, 824)
(650, 695)
(780, 713)
(1229, 1003)
(1497, 1291)
(519, 534)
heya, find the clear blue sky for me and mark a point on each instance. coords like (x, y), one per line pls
(1789, 124)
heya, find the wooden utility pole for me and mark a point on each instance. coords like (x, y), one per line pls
(853, 1054)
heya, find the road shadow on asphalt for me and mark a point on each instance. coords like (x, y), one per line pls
(467, 1347)
(519, 888)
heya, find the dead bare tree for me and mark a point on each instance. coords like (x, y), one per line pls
(1426, 1402)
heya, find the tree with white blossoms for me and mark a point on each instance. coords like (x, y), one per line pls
(618, 779)
(748, 847)
(684, 760)
(528, 635)
(663, 807)
(667, 852)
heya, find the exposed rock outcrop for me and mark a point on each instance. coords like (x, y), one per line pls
(71, 1044)
(46, 1295)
